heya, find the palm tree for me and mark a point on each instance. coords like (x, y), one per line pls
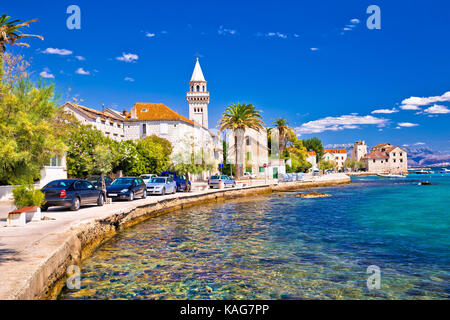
(238, 117)
(283, 129)
(10, 32)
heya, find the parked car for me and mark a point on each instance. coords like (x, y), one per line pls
(161, 185)
(72, 193)
(213, 181)
(97, 181)
(146, 177)
(249, 175)
(179, 180)
(127, 188)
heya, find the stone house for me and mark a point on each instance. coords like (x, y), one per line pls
(384, 158)
(337, 155)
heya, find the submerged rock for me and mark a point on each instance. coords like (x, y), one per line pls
(312, 194)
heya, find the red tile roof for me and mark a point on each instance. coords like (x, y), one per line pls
(335, 151)
(311, 153)
(376, 155)
(155, 111)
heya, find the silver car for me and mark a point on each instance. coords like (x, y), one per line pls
(161, 185)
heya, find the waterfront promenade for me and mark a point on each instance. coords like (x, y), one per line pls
(34, 258)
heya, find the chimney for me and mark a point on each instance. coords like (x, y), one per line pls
(124, 112)
(103, 108)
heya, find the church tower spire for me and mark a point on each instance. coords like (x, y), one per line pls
(198, 97)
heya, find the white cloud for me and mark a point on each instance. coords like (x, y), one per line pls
(61, 52)
(387, 111)
(314, 49)
(423, 101)
(276, 34)
(409, 107)
(81, 58)
(82, 72)
(407, 124)
(296, 35)
(128, 79)
(150, 35)
(225, 31)
(355, 21)
(419, 143)
(437, 109)
(128, 57)
(47, 74)
(351, 121)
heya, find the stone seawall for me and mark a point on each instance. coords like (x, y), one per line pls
(41, 271)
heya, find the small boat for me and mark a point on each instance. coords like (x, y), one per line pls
(423, 171)
(444, 170)
(425, 183)
(391, 175)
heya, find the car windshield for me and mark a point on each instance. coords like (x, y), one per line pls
(92, 179)
(215, 177)
(123, 181)
(158, 180)
(59, 184)
(224, 177)
(146, 176)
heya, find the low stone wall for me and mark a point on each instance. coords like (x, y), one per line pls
(49, 276)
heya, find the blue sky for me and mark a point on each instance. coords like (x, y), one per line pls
(312, 62)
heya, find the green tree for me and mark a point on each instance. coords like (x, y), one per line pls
(11, 32)
(155, 153)
(102, 162)
(283, 132)
(314, 144)
(238, 117)
(82, 141)
(28, 139)
(325, 164)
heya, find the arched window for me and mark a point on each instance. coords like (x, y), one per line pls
(198, 88)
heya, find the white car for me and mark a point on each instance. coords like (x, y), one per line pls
(161, 185)
(146, 177)
(249, 175)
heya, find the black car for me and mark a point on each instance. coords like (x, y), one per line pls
(97, 181)
(127, 188)
(71, 193)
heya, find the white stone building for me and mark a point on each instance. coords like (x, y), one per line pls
(311, 157)
(146, 119)
(109, 122)
(337, 155)
(386, 158)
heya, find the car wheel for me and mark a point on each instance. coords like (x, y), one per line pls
(75, 204)
(44, 207)
(163, 192)
(234, 185)
(101, 200)
(131, 197)
(144, 195)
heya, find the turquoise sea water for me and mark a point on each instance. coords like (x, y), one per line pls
(286, 247)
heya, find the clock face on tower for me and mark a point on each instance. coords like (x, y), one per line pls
(198, 97)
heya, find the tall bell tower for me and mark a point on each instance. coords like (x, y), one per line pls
(198, 97)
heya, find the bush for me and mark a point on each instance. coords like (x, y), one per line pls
(27, 196)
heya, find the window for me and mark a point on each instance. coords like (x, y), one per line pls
(247, 141)
(144, 110)
(261, 169)
(394, 160)
(163, 128)
(55, 161)
(401, 154)
(373, 160)
(144, 129)
(401, 160)
(198, 88)
(393, 154)
(249, 156)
